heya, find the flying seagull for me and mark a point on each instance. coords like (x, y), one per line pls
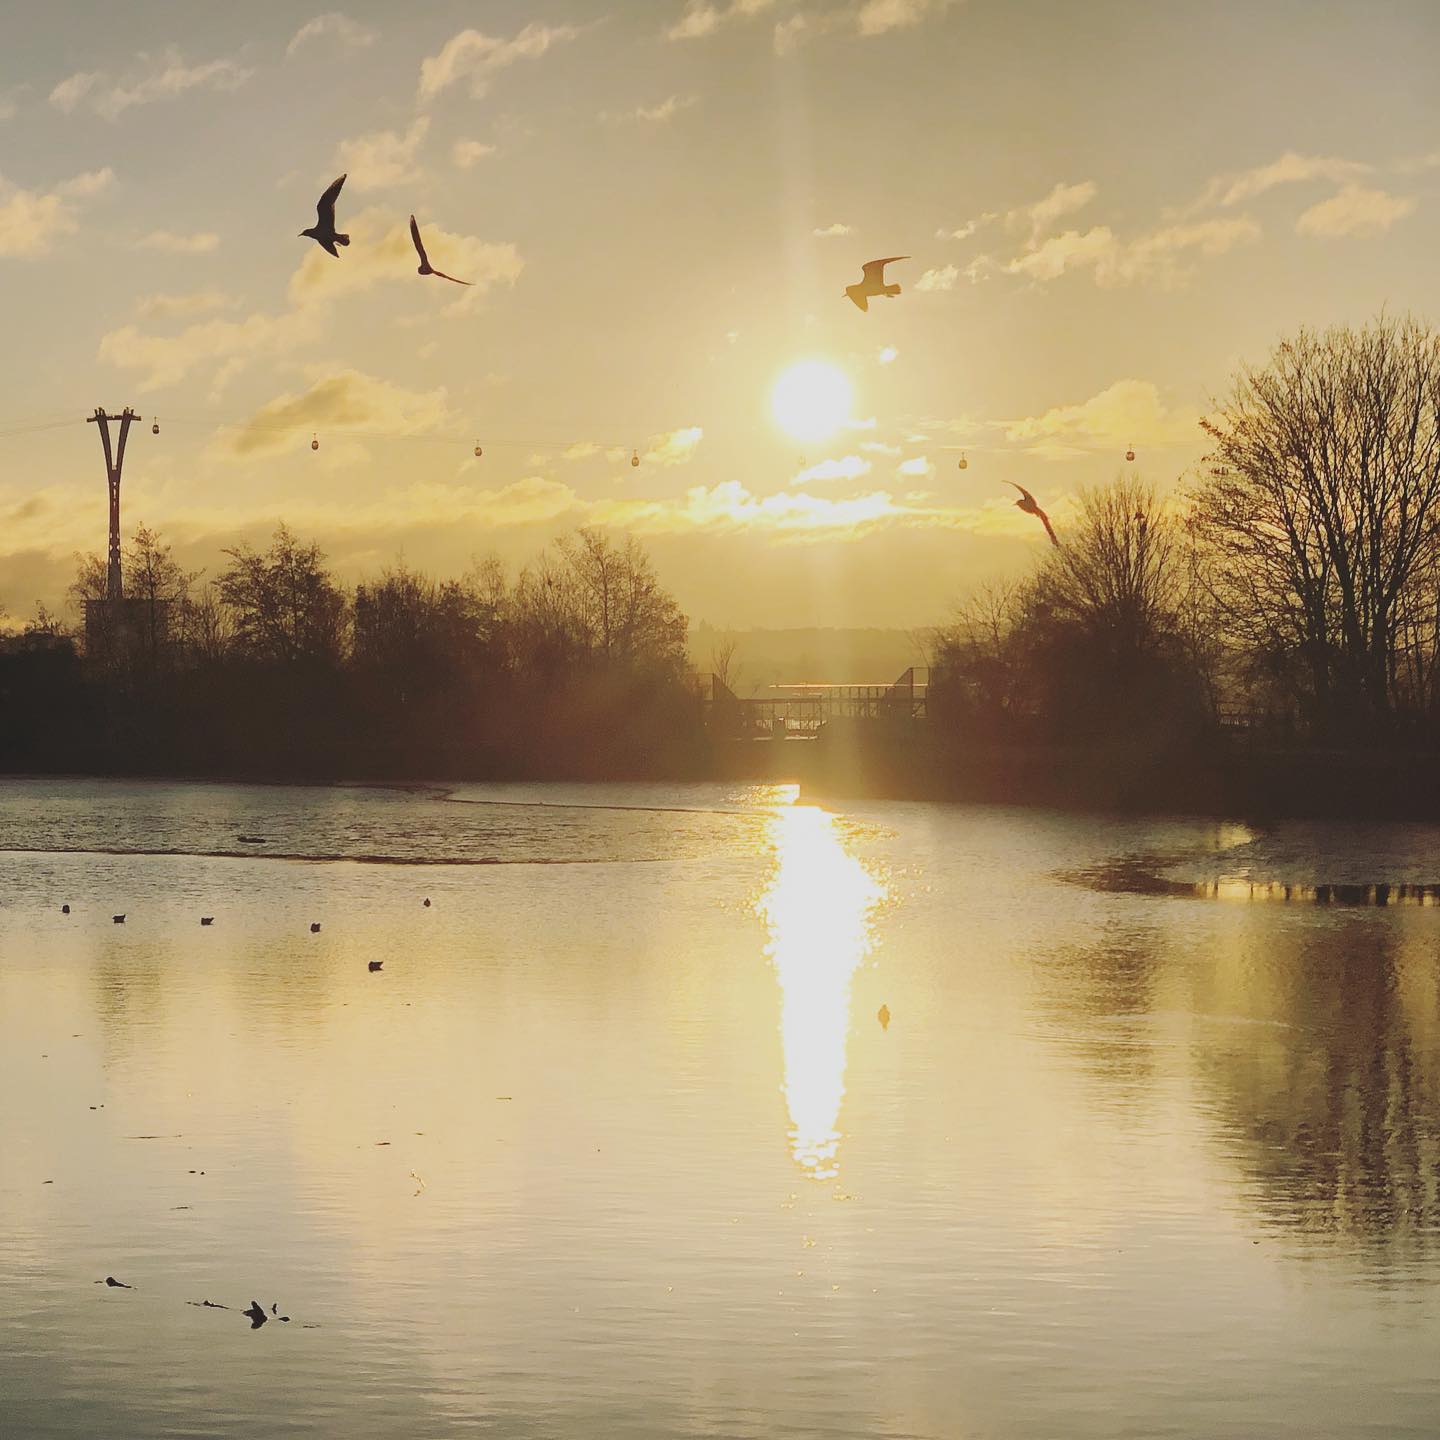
(323, 232)
(425, 266)
(1026, 502)
(874, 282)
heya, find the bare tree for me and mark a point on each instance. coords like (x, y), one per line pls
(1318, 515)
(285, 605)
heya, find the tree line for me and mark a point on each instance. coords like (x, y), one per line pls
(1291, 584)
(272, 668)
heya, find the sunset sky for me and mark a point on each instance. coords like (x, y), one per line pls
(1108, 206)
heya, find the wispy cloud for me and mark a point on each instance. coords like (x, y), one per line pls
(1290, 169)
(658, 114)
(798, 22)
(1127, 412)
(32, 220)
(385, 157)
(942, 279)
(1158, 256)
(1355, 210)
(677, 447)
(833, 231)
(201, 242)
(349, 402)
(474, 56)
(156, 77)
(467, 154)
(846, 467)
(334, 28)
(1063, 200)
(197, 302)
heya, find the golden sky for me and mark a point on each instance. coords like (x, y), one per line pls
(1107, 207)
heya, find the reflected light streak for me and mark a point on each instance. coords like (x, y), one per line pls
(818, 910)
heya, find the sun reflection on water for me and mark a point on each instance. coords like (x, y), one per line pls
(818, 911)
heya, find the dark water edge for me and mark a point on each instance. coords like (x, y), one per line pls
(1124, 778)
(1250, 785)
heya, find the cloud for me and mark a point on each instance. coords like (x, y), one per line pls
(1063, 200)
(163, 360)
(862, 18)
(876, 17)
(1127, 412)
(162, 77)
(675, 448)
(728, 507)
(199, 302)
(835, 230)
(349, 402)
(848, 467)
(346, 33)
(1155, 256)
(701, 18)
(474, 56)
(1290, 169)
(10, 102)
(581, 450)
(919, 465)
(202, 242)
(968, 228)
(32, 220)
(659, 114)
(888, 355)
(467, 154)
(384, 157)
(377, 257)
(942, 279)
(1355, 210)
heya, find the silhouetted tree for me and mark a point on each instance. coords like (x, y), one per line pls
(286, 607)
(1318, 516)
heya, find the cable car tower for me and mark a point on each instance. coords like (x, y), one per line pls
(114, 463)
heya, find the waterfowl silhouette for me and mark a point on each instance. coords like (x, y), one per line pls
(874, 282)
(64, 909)
(425, 266)
(314, 927)
(117, 919)
(207, 919)
(1027, 503)
(323, 231)
(375, 965)
(427, 902)
(110, 1282)
(255, 1314)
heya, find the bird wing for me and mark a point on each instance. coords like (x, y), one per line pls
(874, 270)
(419, 246)
(1023, 491)
(325, 210)
(451, 278)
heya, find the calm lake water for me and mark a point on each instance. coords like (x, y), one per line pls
(617, 1145)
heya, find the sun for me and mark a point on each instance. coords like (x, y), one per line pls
(811, 400)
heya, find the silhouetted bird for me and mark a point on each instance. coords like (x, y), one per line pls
(112, 1283)
(64, 909)
(207, 919)
(883, 1016)
(427, 902)
(375, 965)
(323, 232)
(314, 927)
(117, 919)
(251, 839)
(255, 1314)
(1026, 502)
(425, 266)
(874, 282)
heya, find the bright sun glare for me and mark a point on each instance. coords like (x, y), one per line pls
(811, 400)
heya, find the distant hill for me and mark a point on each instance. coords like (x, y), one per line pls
(816, 656)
